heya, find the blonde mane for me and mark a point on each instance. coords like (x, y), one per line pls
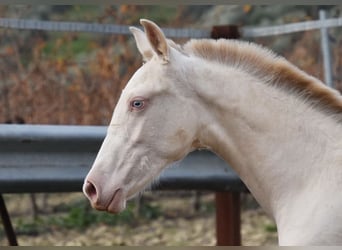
(271, 68)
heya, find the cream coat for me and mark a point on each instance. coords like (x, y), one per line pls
(279, 128)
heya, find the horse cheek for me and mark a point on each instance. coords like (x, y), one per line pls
(178, 143)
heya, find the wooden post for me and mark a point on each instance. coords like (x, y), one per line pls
(225, 31)
(6, 221)
(228, 219)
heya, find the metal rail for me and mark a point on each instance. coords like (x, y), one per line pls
(55, 158)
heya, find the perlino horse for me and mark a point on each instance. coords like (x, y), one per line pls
(279, 128)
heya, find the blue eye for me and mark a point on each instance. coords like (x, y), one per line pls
(137, 104)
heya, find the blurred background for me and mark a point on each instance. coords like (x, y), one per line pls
(49, 77)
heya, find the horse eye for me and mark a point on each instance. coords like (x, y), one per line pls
(137, 104)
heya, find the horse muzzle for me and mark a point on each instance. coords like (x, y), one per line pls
(112, 204)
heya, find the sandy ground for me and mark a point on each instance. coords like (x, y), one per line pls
(178, 225)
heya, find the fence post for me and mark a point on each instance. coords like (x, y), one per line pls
(12, 239)
(325, 46)
(228, 221)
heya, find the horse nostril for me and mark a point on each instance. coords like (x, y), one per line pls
(91, 192)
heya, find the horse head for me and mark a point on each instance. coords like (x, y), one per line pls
(153, 124)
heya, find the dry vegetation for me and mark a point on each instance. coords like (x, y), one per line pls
(56, 88)
(67, 78)
(165, 218)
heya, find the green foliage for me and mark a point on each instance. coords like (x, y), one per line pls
(207, 207)
(148, 211)
(67, 48)
(83, 12)
(80, 215)
(271, 228)
(77, 217)
(29, 227)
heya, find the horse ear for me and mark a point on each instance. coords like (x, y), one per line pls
(156, 38)
(142, 42)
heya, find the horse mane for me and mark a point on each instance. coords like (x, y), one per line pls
(269, 67)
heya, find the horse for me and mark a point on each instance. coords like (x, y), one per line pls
(278, 127)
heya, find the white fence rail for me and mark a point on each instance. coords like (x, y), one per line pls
(175, 33)
(291, 28)
(93, 27)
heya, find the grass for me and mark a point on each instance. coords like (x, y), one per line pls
(80, 215)
(24, 227)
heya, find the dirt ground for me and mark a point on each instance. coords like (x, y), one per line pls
(179, 224)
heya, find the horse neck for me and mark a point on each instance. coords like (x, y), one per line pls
(273, 140)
